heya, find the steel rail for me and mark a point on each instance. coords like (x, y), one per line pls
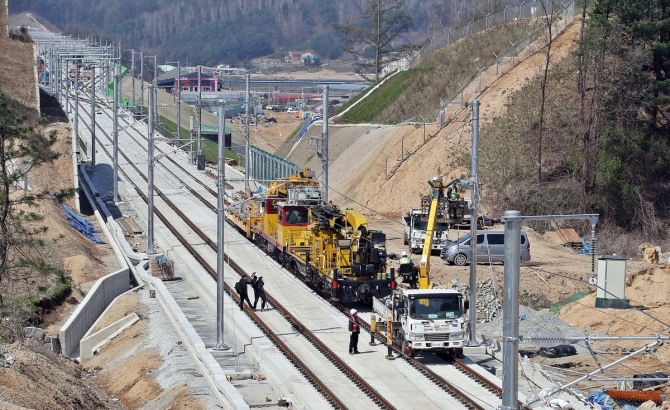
(321, 386)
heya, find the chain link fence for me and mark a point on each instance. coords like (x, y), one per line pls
(525, 10)
(500, 64)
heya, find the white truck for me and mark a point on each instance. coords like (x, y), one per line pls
(426, 319)
(423, 318)
(415, 222)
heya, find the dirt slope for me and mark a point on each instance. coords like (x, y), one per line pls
(358, 179)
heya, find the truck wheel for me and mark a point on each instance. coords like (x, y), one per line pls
(460, 259)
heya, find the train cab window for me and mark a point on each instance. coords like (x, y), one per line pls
(294, 216)
(271, 205)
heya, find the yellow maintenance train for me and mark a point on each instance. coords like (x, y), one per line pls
(331, 249)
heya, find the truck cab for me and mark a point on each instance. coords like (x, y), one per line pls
(426, 319)
(415, 222)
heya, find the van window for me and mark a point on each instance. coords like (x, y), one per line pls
(496, 239)
(465, 239)
(480, 239)
(523, 239)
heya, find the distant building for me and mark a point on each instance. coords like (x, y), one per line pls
(189, 82)
(227, 70)
(293, 57)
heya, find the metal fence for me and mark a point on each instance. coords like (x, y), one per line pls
(494, 68)
(265, 167)
(525, 10)
(507, 60)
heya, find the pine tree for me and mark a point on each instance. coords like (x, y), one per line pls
(21, 149)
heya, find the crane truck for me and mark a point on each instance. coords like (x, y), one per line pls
(424, 318)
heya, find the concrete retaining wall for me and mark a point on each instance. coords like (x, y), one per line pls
(105, 290)
(96, 301)
(91, 343)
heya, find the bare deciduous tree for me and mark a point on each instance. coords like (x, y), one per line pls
(382, 23)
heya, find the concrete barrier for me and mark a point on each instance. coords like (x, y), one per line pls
(90, 344)
(96, 301)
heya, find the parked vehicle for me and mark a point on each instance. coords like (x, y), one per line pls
(490, 248)
(448, 212)
(415, 222)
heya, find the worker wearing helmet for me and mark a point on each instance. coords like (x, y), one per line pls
(404, 259)
(355, 329)
(434, 186)
(406, 269)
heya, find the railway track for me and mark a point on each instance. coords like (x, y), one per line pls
(321, 347)
(319, 384)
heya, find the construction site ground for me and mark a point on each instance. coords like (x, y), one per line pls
(362, 157)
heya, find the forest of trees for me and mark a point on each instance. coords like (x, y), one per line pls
(605, 135)
(214, 31)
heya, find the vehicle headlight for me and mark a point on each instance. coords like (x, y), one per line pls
(457, 335)
(416, 336)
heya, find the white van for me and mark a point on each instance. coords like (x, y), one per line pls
(490, 248)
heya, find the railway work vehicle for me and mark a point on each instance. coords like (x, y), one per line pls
(420, 318)
(331, 249)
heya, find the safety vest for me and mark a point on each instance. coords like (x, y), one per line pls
(453, 194)
(405, 260)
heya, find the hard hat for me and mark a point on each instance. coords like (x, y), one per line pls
(436, 179)
(403, 254)
(253, 275)
(353, 311)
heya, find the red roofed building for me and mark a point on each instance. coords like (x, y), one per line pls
(189, 82)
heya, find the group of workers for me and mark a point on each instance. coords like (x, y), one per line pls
(258, 286)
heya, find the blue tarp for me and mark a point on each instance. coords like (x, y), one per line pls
(163, 261)
(586, 249)
(82, 225)
(601, 398)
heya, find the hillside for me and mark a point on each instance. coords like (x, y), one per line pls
(251, 28)
(568, 135)
(555, 274)
(361, 159)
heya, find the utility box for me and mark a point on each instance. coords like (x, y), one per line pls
(611, 282)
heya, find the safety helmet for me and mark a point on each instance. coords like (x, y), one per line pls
(403, 254)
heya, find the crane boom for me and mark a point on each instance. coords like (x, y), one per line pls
(439, 210)
(424, 265)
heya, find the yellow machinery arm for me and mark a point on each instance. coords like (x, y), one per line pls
(437, 202)
(424, 265)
